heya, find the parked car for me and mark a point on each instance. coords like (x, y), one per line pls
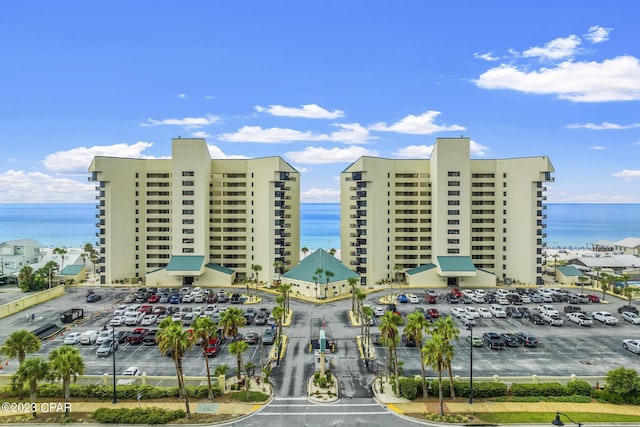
(579, 318)
(402, 298)
(510, 340)
(493, 341)
(605, 317)
(513, 311)
(527, 339)
(149, 319)
(536, 319)
(213, 348)
(132, 371)
(187, 298)
(631, 317)
(106, 348)
(497, 311)
(137, 335)
(476, 341)
(72, 338)
(376, 339)
(378, 311)
(453, 298)
(94, 298)
(268, 336)
(88, 337)
(117, 321)
(514, 299)
(261, 319)
(467, 320)
(408, 341)
(252, 337)
(553, 319)
(457, 312)
(472, 312)
(484, 313)
(235, 298)
(413, 299)
(593, 298)
(432, 313)
(153, 298)
(524, 311)
(121, 336)
(104, 336)
(631, 345)
(150, 338)
(547, 309)
(627, 308)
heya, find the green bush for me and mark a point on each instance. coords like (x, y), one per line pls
(541, 389)
(137, 415)
(480, 389)
(254, 396)
(616, 290)
(581, 388)
(125, 392)
(409, 388)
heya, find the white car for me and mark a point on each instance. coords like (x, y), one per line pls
(209, 310)
(497, 311)
(148, 320)
(177, 317)
(477, 298)
(631, 345)
(481, 293)
(197, 311)
(547, 309)
(187, 298)
(120, 310)
(605, 317)
(502, 299)
(104, 336)
(484, 312)
(457, 312)
(472, 312)
(117, 321)
(552, 318)
(72, 338)
(579, 319)
(413, 299)
(468, 292)
(378, 311)
(132, 371)
(468, 320)
(525, 299)
(631, 317)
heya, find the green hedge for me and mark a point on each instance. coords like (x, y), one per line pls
(480, 389)
(137, 415)
(410, 388)
(125, 392)
(540, 389)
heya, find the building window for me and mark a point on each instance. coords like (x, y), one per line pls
(453, 183)
(453, 193)
(453, 251)
(187, 231)
(187, 202)
(187, 212)
(187, 221)
(453, 221)
(453, 173)
(188, 173)
(187, 250)
(188, 183)
(453, 202)
(187, 193)
(453, 231)
(453, 241)
(453, 212)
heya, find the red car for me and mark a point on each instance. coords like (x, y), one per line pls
(136, 336)
(593, 298)
(153, 298)
(160, 309)
(431, 299)
(213, 348)
(433, 313)
(146, 309)
(456, 292)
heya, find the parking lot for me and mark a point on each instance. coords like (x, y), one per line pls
(562, 350)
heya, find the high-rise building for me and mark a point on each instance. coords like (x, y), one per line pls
(193, 220)
(447, 220)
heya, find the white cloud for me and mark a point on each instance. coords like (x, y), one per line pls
(321, 155)
(320, 195)
(77, 160)
(485, 56)
(36, 187)
(616, 79)
(603, 126)
(598, 34)
(308, 111)
(478, 149)
(598, 147)
(200, 134)
(414, 152)
(189, 122)
(559, 48)
(182, 95)
(628, 174)
(217, 153)
(422, 124)
(352, 133)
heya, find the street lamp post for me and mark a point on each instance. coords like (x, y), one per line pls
(113, 354)
(471, 365)
(558, 422)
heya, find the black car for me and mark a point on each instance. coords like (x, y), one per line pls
(121, 336)
(150, 338)
(493, 341)
(536, 319)
(527, 339)
(408, 341)
(510, 340)
(93, 298)
(513, 311)
(524, 311)
(630, 308)
(392, 307)
(572, 309)
(453, 299)
(235, 298)
(490, 298)
(514, 299)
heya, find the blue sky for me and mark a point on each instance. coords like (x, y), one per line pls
(320, 83)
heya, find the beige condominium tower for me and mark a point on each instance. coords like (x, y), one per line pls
(194, 220)
(445, 221)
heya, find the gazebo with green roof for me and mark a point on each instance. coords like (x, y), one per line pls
(309, 278)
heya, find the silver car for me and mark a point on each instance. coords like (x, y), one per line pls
(631, 317)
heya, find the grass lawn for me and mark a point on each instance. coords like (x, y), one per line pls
(547, 417)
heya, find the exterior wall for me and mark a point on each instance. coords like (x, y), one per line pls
(236, 213)
(400, 214)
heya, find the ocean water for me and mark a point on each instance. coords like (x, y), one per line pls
(73, 224)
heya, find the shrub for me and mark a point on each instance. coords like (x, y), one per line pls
(254, 396)
(541, 389)
(581, 388)
(409, 388)
(137, 415)
(480, 389)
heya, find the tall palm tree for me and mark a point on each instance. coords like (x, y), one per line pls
(49, 270)
(417, 325)
(328, 274)
(204, 330)
(628, 293)
(353, 282)
(597, 270)
(231, 321)
(360, 297)
(19, 344)
(237, 348)
(62, 252)
(257, 268)
(446, 328)
(285, 289)
(389, 332)
(174, 340)
(608, 280)
(367, 315)
(317, 275)
(332, 251)
(305, 251)
(66, 363)
(433, 355)
(278, 314)
(278, 267)
(32, 371)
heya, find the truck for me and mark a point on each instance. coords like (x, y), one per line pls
(71, 315)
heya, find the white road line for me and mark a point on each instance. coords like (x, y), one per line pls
(294, 414)
(290, 398)
(334, 405)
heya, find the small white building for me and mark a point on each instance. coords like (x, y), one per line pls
(15, 254)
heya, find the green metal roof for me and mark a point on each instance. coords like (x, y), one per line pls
(72, 270)
(320, 259)
(420, 269)
(456, 263)
(220, 268)
(185, 263)
(570, 271)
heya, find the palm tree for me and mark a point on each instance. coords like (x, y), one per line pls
(230, 321)
(19, 344)
(433, 355)
(605, 285)
(94, 258)
(360, 297)
(305, 251)
(628, 293)
(417, 324)
(257, 268)
(353, 282)
(328, 275)
(278, 314)
(597, 270)
(447, 329)
(367, 315)
(316, 278)
(397, 269)
(237, 348)
(62, 252)
(581, 279)
(49, 270)
(203, 330)
(220, 370)
(389, 332)
(174, 340)
(332, 251)
(278, 267)
(66, 363)
(284, 289)
(31, 372)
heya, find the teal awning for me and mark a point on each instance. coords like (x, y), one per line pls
(456, 266)
(193, 263)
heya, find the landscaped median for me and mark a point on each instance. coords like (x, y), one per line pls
(361, 343)
(273, 353)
